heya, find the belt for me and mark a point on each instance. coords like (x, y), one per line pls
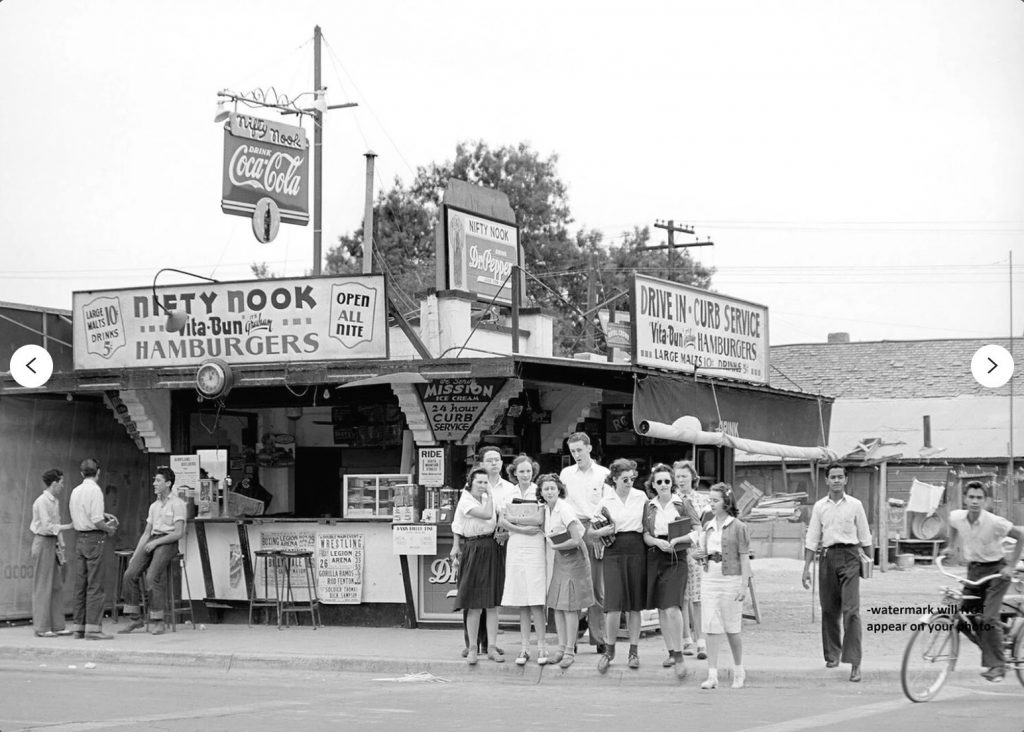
(478, 538)
(157, 534)
(842, 546)
(91, 531)
(985, 564)
(716, 557)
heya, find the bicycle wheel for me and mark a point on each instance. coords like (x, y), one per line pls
(929, 658)
(1018, 653)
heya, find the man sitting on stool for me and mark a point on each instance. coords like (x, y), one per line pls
(156, 548)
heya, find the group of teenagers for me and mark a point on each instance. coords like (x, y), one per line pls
(599, 544)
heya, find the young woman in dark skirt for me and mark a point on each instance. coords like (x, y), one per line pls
(667, 570)
(625, 561)
(479, 564)
(571, 589)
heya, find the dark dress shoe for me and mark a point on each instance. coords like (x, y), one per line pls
(831, 664)
(855, 673)
(98, 635)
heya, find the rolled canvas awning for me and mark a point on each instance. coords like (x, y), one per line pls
(765, 422)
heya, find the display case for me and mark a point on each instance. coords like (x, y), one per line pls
(371, 495)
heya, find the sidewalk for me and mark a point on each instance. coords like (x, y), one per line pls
(783, 649)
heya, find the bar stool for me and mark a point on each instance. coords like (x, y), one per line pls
(174, 604)
(124, 556)
(272, 562)
(311, 604)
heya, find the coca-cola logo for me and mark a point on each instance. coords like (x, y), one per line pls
(487, 262)
(442, 572)
(266, 170)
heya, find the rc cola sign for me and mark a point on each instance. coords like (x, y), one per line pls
(265, 159)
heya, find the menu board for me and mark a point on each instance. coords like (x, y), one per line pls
(339, 568)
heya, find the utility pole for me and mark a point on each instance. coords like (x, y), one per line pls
(591, 298)
(672, 229)
(318, 141)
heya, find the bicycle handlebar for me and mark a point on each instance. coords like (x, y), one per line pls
(963, 580)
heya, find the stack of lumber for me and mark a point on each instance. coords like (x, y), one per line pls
(780, 506)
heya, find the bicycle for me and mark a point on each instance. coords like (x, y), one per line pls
(934, 646)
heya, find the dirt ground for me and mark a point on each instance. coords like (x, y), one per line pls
(786, 615)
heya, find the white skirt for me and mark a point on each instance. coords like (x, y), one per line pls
(526, 576)
(720, 611)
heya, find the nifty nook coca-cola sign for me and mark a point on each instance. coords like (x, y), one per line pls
(265, 159)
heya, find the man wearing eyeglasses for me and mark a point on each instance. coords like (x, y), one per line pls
(156, 548)
(584, 488)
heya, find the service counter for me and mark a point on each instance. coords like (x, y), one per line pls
(354, 560)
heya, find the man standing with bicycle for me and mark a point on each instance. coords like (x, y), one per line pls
(981, 534)
(840, 527)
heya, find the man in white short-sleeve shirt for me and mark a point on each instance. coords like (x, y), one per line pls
(157, 547)
(981, 536)
(584, 488)
(92, 526)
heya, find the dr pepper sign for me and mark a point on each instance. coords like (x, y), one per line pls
(265, 159)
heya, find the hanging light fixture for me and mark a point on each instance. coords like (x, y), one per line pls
(177, 318)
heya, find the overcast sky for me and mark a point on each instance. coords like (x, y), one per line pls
(859, 165)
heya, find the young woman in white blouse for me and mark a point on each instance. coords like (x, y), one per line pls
(479, 563)
(667, 570)
(686, 480)
(526, 580)
(726, 557)
(571, 588)
(625, 562)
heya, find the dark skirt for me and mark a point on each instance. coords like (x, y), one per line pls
(481, 575)
(625, 573)
(666, 578)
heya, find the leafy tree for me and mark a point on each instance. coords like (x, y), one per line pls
(261, 271)
(558, 263)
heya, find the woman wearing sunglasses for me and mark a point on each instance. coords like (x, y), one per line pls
(667, 570)
(625, 563)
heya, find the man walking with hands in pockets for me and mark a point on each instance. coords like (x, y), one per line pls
(840, 527)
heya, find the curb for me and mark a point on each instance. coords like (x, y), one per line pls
(581, 672)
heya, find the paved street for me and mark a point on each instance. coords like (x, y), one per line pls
(118, 697)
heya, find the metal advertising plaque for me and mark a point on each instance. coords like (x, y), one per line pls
(481, 252)
(265, 159)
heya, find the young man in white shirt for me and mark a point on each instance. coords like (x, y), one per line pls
(92, 526)
(585, 487)
(981, 536)
(839, 526)
(156, 549)
(48, 559)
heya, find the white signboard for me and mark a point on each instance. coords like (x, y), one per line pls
(431, 467)
(186, 472)
(680, 328)
(414, 539)
(339, 568)
(261, 321)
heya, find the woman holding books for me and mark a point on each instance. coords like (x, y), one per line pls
(479, 564)
(726, 557)
(625, 561)
(668, 531)
(686, 480)
(526, 556)
(571, 588)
